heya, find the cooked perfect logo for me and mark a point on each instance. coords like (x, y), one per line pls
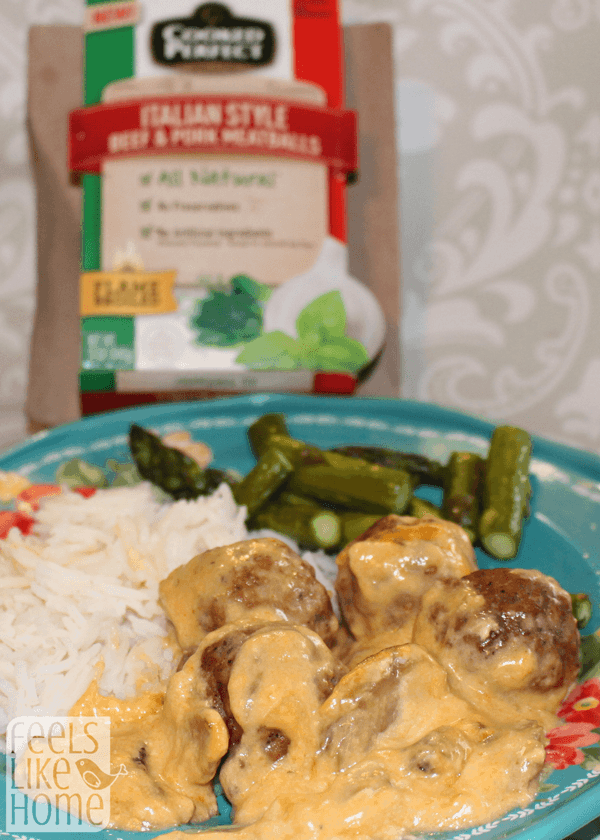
(213, 34)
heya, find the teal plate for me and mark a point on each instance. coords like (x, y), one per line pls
(561, 537)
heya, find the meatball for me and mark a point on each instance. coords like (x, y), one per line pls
(278, 679)
(214, 660)
(378, 705)
(507, 638)
(383, 574)
(258, 578)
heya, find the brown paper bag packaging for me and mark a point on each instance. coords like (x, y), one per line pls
(55, 87)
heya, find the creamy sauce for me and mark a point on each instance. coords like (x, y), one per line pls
(382, 579)
(398, 732)
(500, 684)
(170, 744)
(392, 749)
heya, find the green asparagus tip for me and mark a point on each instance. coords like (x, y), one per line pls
(326, 528)
(501, 546)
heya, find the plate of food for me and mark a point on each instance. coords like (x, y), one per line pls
(282, 616)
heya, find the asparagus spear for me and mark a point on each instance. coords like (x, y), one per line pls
(263, 429)
(426, 470)
(170, 469)
(462, 491)
(311, 526)
(590, 656)
(263, 480)
(370, 490)
(421, 507)
(506, 492)
(355, 524)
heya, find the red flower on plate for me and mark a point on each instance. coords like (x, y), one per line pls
(28, 502)
(29, 499)
(564, 743)
(14, 519)
(583, 704)
(86, 492)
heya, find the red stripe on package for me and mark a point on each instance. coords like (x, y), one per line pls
(212, 125)
(334, 383)
(318, 59)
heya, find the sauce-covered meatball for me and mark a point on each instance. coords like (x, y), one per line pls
(507, 638)
(259, 578)
(383, 574)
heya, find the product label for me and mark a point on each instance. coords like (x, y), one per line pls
(108, 343)
(215, 38)
(212, 218)
(212, 124)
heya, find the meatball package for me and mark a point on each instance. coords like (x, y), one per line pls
(214, 153)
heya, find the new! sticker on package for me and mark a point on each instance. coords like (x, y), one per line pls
(214, 153)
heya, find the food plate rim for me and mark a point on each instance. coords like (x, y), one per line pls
(573, 813)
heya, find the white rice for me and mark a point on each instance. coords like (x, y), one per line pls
(83, 587)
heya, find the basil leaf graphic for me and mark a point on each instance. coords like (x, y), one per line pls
(322, 343)
(274, 350)
(337, 353)
(323, 317)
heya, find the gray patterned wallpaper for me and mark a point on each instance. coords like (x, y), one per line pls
(498, 111)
